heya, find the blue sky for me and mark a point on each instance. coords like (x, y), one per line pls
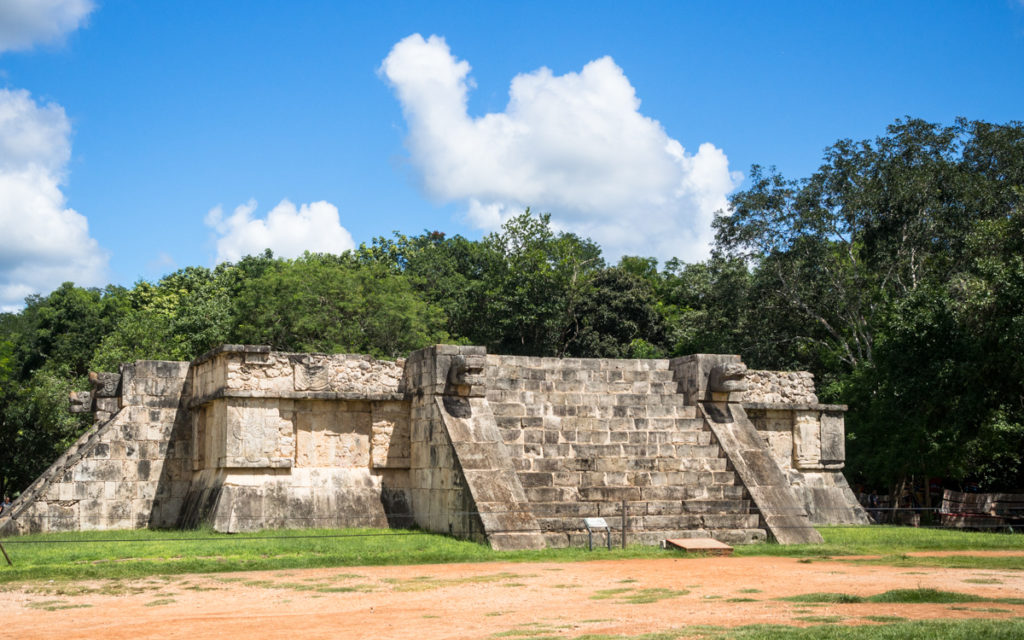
(141, 137)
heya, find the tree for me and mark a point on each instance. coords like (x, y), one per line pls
(617, 318)
(334, 304)
(184, 315)
(892, 259)
(532, 285)
(35, 427)
(61, 331)
(446, 271)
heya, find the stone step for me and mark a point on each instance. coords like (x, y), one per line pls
(558, 540)
(600, 431)
(506, 377)
(562, 475)
(669, 507)
(676, 522)
(600, 406)
(562, 458)
(670, 469)
(563, 504)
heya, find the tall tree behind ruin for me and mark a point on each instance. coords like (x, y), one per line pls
(901, 259)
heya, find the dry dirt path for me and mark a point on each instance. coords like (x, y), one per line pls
(480, 600)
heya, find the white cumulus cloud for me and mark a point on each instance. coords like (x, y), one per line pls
(25, 23)
(287, 231)
(42, 242)
(574, 145)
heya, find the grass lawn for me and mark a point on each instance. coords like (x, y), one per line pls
(889, 540)
(132, 554)
(919, 630)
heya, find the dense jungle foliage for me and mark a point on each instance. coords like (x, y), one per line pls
(895, 273)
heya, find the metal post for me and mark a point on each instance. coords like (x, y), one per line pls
(624, 524)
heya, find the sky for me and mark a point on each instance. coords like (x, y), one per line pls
(140, 137)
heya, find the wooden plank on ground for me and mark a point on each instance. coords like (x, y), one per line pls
(700, 545)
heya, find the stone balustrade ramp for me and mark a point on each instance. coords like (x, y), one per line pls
(487, 470)
(783, 515)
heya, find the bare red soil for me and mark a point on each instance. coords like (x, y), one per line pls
(479, 600)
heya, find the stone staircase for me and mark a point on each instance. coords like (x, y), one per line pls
(31, 498)
(587, 436)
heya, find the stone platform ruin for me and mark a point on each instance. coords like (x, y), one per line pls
(509, 450)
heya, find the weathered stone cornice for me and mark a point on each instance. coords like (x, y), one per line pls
(297, 395)
(787, 406)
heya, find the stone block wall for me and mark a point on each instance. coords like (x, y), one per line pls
(439, 498)
(807, 440)
(299, 440)
(586, 435)
(780, 387)
(257, 369)
(129, 471)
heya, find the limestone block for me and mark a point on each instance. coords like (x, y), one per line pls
(105, 385)
(833, 438)
(789, 387)
(806, 440)
(380, 442)
(80, 401)
(253, 435)
(311, 374)
(97, 471)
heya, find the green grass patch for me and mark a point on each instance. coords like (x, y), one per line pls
(825, 598)
(923, 596)
(143, 553)
(348, 588)
(887, 540)
(604, 594)
(159, 602)
(971, 629)
(883, 618)
(534, 630)
(821, 619)
(899, 596)
(428, 583)
(1008, 563)
(647, 596)
(629, 595)
(983, 581)
(55, 605)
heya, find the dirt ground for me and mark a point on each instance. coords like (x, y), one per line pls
(626, 597)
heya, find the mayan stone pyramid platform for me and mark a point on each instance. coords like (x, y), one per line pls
(509, 450)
